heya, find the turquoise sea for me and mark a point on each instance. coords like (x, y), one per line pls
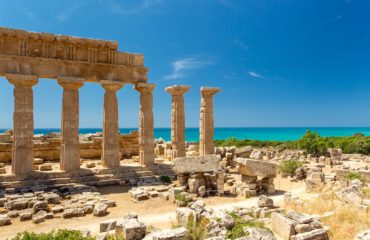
(271, 133)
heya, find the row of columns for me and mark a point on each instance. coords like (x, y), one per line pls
(206, 128)
(22, 159)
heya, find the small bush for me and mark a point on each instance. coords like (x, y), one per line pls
(366, 192)
(181, 197)
(62, 234)
(196, 230)
(165, 179)
(239, 224)
(290, 166)
(354, 175)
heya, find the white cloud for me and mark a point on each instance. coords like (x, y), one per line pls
(31, 15)
(227, 3)
(241, 44)
(64, 16)
(256, 75)
(182, 66)
(141, 5)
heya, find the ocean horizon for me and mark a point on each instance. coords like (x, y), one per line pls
(252, 133)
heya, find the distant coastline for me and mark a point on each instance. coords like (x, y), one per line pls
(253, 133)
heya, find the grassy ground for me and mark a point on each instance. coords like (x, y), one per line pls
(344, 221)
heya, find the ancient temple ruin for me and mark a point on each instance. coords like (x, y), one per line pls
(27, 56)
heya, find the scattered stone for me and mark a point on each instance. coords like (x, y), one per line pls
(90, 164)
(46, 167)
(264, 201)
(39, 217)
(299, 217)
(317, 234)
(25, 215)
(131, 229)
(108, 225)
(40, 205)
(282, 225)
(258, 233)
(4, 220)
(168, 234)
(100, 210)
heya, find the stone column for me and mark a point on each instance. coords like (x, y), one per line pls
(110, 148)
(178, 120)
(206, 128)
(70, 146)
(22, 158)
(146, 125)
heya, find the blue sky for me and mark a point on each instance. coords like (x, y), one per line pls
(278, 62)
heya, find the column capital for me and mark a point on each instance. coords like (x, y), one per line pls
(144, 87)
(22, 80)
(113, 86)
(209, 91)
(71, 82)
(177, 89)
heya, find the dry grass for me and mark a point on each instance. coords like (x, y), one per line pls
(344, 221)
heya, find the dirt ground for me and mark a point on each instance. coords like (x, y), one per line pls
(155, 212)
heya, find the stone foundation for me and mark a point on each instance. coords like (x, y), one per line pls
(93, 177)
(47, 147)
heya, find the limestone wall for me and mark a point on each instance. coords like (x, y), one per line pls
(47, 147)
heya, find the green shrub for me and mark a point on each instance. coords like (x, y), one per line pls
(366, 192)
(165, 179)
(181, 197)
(62, 234)
(311, 142)
(354, 175)
(196, 230)
(239, 224)
(290, 166)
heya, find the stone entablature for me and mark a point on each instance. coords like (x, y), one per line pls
(51, 56)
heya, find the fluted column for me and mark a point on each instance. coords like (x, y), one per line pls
(178, 120)
(146, 125)
(22, 159)
(70, 146)
(206, 128)
(110, 153)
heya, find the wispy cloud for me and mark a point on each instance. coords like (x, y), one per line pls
(32, 16)
(64, 16)
(256, 75)
(140, 6)
(241, 44)
(181, 67)
(348, 1)
(227, 3)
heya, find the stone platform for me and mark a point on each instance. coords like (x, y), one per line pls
(92, 177)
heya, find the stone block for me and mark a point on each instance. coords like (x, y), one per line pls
(38, 161)
(107, 226)
(46, 167)
(252, 167)
(168, 234)
(131, 229)
(264, 201)
(100, 209)
(4, 220)
(25, 215)
(206, 163)
(282, 225)
(299, 217)
(317, 234)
